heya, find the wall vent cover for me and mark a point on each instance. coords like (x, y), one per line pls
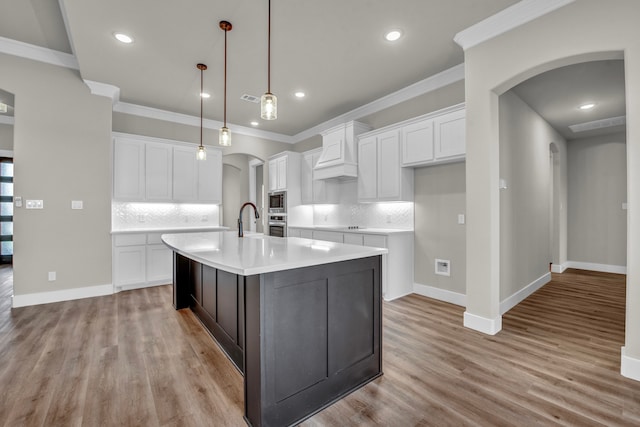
(250, 98)
(599, 124)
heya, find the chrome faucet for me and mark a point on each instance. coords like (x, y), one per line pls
(240, 230)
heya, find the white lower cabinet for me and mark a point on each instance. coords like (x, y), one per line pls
(397, 265)
(141, 260)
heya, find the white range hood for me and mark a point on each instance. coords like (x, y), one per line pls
(339, 158)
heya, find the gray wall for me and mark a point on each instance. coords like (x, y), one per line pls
(6, 137)
(62, 145)
(597, 189)
(439, 198)
(525, 206)
(235, 190)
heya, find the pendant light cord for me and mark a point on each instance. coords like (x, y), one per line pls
(201, 101)
(225, 77)
(269, 52)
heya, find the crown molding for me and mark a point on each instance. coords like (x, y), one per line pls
(185, 119)
(38, 53)
(104, 89)
(437, 81)
(506, 20)
(6, 120)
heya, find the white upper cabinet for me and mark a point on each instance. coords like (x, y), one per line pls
(380, 175)
(284, 175)
(435, 138)
(368, 169)
(185, 176)
(315, 191)
(128, 170)
(158, 172)
(450, 135)
(153, 170)
(417, 142)
(278, 174)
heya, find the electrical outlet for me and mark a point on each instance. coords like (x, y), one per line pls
(388, 219)
(77, 204)
(204, 218)
(460, 219)
(52, 276)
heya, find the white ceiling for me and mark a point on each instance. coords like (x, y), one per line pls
(333, 50)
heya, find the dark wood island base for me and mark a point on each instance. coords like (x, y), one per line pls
(303, 338)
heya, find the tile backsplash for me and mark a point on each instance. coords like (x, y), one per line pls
(126, 216)
(397, 215)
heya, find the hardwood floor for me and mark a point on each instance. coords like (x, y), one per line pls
(129, 359)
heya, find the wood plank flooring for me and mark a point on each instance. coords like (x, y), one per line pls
(129, 359)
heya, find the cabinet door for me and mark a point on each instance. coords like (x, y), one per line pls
(130, 265)
(367, 169)
(158, 174)
(273, 175)
(389, 166)
(353, 239)
(319, 186)
(185, 175)
(328, 236)
(306, 179)
(417, 143)
(450, 135)
(128, 170)
(282, 173)
(159, 263)
(210, 177)
(374, 241)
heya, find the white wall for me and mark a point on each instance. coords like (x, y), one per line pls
(62, 140)
(525, 220)
(495, 66)
(597, 189)
(439, 198)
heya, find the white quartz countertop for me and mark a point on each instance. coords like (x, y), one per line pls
(257, 253)
(345, 229)
(169, 230)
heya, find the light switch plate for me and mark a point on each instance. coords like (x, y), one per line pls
(77, 204)
(460, 219)
(17, 201)
(35, 204)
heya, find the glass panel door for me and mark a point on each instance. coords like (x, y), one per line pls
(6, 210)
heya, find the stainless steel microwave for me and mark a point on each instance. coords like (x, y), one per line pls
(278, 202)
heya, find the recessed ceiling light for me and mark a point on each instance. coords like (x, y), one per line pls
(205, 95)
(254, 123)
(393, 35)
(587, 106)
(123, 38)
(300, 94)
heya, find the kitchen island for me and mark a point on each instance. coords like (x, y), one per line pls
(300, 318)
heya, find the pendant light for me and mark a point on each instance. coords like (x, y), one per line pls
(269, 102)
(202, 152)
(225, 133)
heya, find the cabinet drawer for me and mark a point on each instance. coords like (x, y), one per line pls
(375, 241)
(329, 236)
(130, 239)
(353, 239)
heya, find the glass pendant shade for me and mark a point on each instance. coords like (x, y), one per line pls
(225, 137)
(269, 106)
(202, 153)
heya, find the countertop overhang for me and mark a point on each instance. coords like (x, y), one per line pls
(257, 253)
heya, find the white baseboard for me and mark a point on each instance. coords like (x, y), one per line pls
(510, 302)
(440, 294)
(558, 268)
(482, 324)
(605, 268)
(629, 366)
(143, 285)
(61, 295)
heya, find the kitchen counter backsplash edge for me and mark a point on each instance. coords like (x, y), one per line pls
(345, 229)
(168, 230)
